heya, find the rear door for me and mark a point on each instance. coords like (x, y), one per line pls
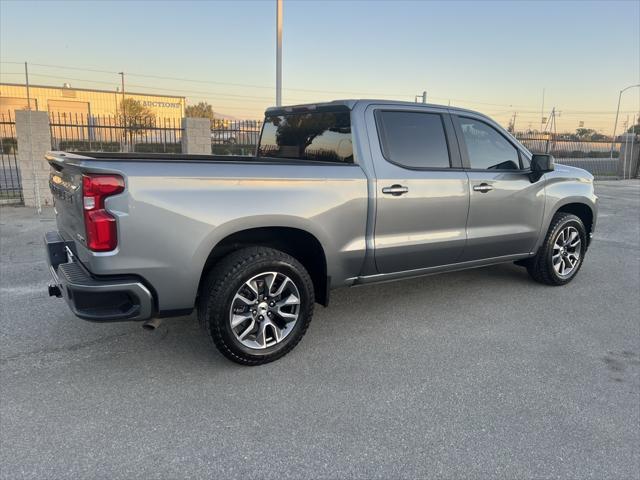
(506, 207)
(422, 194)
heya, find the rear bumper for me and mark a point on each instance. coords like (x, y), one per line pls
(98, 299)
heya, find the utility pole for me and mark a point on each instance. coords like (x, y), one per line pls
(513, 122)
(278, 53)
(549, 121)
(542, 112)
(122, 103)
(124, 114)
(26, 78)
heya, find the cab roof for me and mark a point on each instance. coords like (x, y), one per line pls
(349, 104)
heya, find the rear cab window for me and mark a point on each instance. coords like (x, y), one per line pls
(323, 136)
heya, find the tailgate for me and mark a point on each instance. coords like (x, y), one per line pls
(65, 183)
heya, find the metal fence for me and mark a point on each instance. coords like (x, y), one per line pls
(115, 133)
(235, 137)
(595, 156)
(10, 188)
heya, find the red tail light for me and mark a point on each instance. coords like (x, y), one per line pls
(100, 225)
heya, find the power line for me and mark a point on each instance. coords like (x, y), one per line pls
(228, 96)
(243, 85)
(222, 96)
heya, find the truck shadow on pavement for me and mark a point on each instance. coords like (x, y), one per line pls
(415, 301)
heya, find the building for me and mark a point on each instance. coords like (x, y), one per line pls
(82, 101)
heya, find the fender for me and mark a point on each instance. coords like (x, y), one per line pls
(565, 186)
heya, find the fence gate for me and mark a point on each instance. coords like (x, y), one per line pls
(10, 189)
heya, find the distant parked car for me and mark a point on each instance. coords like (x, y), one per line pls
(236, 136)
(224, 136)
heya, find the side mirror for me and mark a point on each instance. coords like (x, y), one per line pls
(541, 164)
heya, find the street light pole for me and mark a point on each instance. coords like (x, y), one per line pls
(615, 124)
(278, 53)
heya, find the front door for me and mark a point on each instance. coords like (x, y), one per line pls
(506, 207)
(422, 194)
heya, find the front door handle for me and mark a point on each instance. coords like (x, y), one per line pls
(395, 190)
(483, 187)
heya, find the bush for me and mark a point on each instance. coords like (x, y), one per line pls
(9, 145)
(86, 146)
(158, 148)
(232, 149)
(583, 154)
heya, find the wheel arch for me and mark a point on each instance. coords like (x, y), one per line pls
(581, 210)
(300, 244)
(583, 206)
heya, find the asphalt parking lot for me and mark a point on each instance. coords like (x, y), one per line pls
(477, 374)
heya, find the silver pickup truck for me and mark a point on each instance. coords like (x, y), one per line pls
(338, 194)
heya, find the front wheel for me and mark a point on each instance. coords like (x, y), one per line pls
(562, 253)
(256, 304)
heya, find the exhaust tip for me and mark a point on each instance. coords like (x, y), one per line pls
(54, 291)
(152, 324)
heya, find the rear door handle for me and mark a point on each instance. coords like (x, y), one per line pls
(483, 187)
(395, 190)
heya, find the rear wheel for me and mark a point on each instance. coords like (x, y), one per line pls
(256, 305)
(562, 253)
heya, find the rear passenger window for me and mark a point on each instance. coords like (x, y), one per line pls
(413, 139)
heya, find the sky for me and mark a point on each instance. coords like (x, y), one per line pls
(495, 57)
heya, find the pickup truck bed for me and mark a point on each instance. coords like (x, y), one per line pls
(171, 216)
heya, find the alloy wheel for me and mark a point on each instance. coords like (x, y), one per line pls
(264, 310)
(566, 251)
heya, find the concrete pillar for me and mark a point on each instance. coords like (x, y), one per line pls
(629, 159)
(34, 140)
(196, 136)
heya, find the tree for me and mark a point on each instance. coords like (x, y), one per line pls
(301, 130)
(130, 107)
(200, 110)
(634, 129)
(135, 117)
(588, 134)
(204, 110)
(585, 133)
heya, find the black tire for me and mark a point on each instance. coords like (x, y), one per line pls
(220, 287)
(540, 267)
